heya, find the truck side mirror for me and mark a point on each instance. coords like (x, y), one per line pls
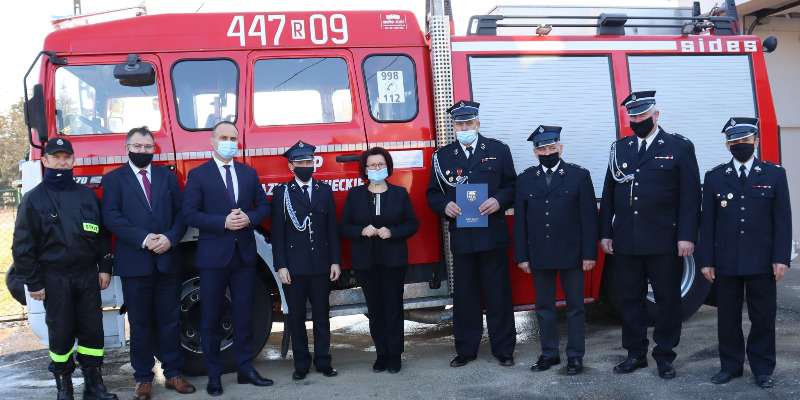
(35, 116)
(770, 44)
(135, 73)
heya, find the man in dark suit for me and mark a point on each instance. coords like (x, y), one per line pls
(225, 200)
(480, 263)
(141, 206)
(745, 245)
(305, 246)
(648, 221)
(555, 234)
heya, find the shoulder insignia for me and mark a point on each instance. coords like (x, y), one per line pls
(719, 166)
(576, 166)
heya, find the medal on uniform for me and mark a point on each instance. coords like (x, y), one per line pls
(624, 165)
(730, 196)
(447, 172)
(723, 203)
(459, 171)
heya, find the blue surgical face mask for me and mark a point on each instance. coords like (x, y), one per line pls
(467, 137)
(378, 175)
(226, 149)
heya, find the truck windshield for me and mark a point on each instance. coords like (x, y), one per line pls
(89, 100)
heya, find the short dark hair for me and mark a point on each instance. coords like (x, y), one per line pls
(142, 130)
(375, 151)
(223, 122)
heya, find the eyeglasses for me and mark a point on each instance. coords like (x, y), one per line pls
(376, 166)
(140, 147)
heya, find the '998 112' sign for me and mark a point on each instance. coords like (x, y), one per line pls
(277, 29)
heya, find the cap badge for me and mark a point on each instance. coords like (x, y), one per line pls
(59, 142)
(541, 130)
(733, 122)
(633, 97)
(301, 145)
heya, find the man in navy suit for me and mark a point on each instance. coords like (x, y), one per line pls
(224, 199)
(141, 206)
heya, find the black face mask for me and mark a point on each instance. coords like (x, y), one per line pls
(303, 173)
(550, 160)
(140, 160)
(642, 129)
(58, 179)
(743, 151)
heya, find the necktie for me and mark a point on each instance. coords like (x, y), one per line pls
(469, 152)
(146, 184)
(229, 184)
(305, 192)
(642, 149)
(548, 175)
(742, 174)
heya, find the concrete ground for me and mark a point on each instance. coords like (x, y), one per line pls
(426, 373)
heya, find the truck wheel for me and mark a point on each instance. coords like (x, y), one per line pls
(694, 290)
(15, 285)
(194, 362)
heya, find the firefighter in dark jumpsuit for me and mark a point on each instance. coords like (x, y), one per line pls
(58, 248)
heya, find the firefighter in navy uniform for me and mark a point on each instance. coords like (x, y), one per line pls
(480, 262)
(555, 234)
(745, 245)
(305, 244)
(648, 220)
(62, 253)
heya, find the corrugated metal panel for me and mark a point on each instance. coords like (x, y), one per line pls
(517, 94)
(696, 96)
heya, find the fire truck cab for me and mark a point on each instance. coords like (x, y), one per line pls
(347, 81)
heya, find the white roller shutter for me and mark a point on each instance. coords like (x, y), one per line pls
(696, 96)
(519, 93)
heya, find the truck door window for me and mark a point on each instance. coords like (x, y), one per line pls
(205, 92)
(391, 87)
(89, 100)
(291, 91)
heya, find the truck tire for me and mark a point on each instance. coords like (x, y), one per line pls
(194, 362)
(15, 285)
(694, 290)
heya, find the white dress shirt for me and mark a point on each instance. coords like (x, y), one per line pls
(221, 168)
(650, 139)
(474, 145)
(136, 173)
(747, 165)
(554, 169)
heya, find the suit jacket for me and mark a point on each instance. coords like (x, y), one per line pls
(206, 204)
(127, 215)
(397, 214)
(313, 250)
(744, 229)
(555, 226)
(491, 163)
(661, 206)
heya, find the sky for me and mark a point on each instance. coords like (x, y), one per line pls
(25, 27)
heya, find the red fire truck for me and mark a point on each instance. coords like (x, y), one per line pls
(346, 81)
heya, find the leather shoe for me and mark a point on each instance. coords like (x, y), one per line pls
(329, 372)
(666, 370)
(214, 387)
(460, 361)
(724, 377)
(143, 391)
(765, 381)
(299, 375)
(252, 377)
(506, 361)
(380, 364)
(394, 364)
(544, 363)
(574, 365)
(180, 385)
(630, 364)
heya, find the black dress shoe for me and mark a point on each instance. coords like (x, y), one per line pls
(724, 377)
(460, 361)
(252, 377)
(394, 364)
(506, 361)
(329, 372)
(544, 363)
(765, 381)
(380, 364)
(299, 375)
(214, 387)
(630, 364)
(666, 370)
(574, 365)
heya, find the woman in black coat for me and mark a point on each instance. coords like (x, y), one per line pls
(378, 219)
